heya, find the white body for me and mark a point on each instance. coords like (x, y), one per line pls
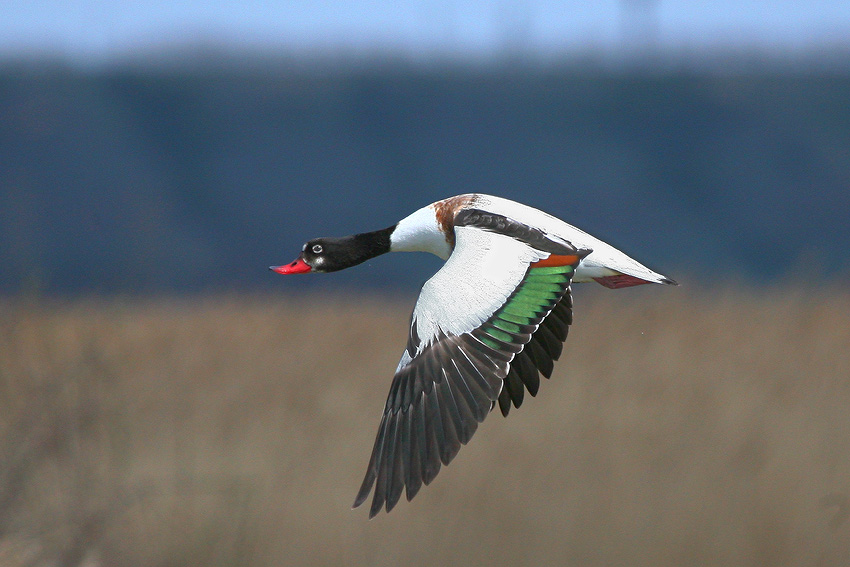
(421, 232)
(474, 337)
(485, 267)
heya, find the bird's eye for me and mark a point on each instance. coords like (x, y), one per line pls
(317, 249)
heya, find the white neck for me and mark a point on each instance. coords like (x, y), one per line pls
(420, 232)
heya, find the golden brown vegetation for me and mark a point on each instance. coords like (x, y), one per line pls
(679, 429)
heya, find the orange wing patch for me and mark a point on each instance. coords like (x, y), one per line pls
(556, 260)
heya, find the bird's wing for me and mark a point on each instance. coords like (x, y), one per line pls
(493, 316)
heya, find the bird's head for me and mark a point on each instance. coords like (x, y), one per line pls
(333, 254)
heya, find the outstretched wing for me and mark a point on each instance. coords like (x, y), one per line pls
(493, 316)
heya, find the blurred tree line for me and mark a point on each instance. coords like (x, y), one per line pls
(147, 179)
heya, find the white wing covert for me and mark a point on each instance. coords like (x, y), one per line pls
(484, 325)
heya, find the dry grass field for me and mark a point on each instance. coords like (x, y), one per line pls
(680, 428)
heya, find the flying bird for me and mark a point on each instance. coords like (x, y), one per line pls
(484, 327)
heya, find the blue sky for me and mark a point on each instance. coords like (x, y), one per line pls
(101, 30)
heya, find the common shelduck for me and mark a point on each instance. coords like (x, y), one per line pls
(493, 317)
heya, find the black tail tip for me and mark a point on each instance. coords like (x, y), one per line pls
(668, 281)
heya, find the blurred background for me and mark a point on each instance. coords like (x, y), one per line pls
(151, 147)
(168, 401)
